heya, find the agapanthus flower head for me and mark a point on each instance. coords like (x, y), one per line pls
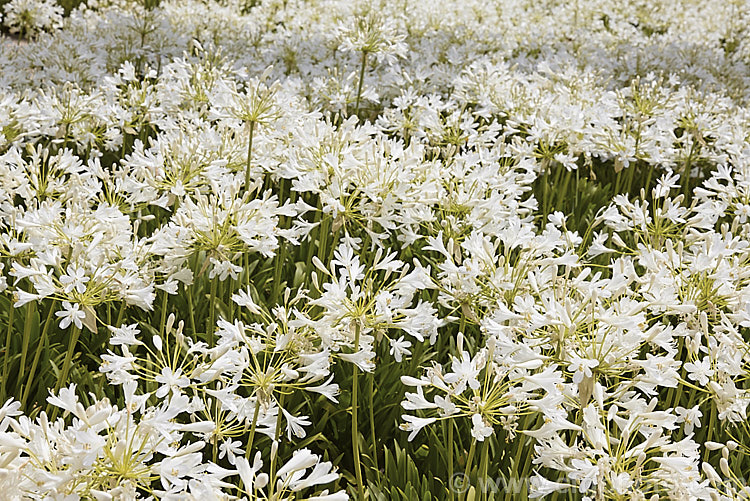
(27, 18)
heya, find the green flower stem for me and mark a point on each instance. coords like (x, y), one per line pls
(276, 287)
(325, 229)
(210, 328)
(334, 241)
(251, 438)
(517, 459)
(66, 365)
(484, 465)
(685, 176)
(231, 287)
(7, 350)
(449, 443)
(249, 156)
(355, 430)
(469, 461)
(120, 314)
(361, 80)
(562, 193)
(26, 338)
(163, 322)
(311, 246)
(548, 203)
(649, 175)
(710, 429)
(37, 354)
(618, 181)
(249, 447)
(279, 257)
(217, 430)
(246, 259)
(191, 308)
(545, 196)
(371, 395)
(275, 456)
(630, 176)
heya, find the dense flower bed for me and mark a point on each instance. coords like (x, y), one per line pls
(374, 250)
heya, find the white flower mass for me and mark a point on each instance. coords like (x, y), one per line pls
(329, 250)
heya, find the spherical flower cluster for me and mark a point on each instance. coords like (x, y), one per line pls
(27, 18)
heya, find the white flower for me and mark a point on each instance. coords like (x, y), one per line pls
(691, 417)
(465, 371)
(598, 246)
(124, 335)
(291, 472)
(621, 482)
(243, 298)
(416, 401)
(480, 430)
(581, 368)
(295, 425)
(174, 470)
(23, 297)
(699, 371)
(71, 314)
(9, 409)
(231, 449)
(300, 460)
(75, 279)
(414, 424)
(223, 269)
(540, 486)
(66, 399)
(362, 359)
(399, 348)
(328, 389)
(171, 381)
